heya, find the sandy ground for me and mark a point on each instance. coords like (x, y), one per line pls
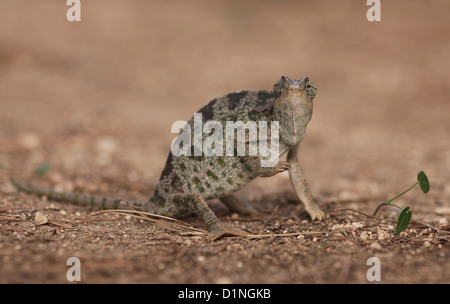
(95, 100)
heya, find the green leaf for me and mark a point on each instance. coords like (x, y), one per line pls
(403, 220)
(42, 169)
(423, 182)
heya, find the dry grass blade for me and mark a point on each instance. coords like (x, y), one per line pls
(11, 219)
(260, 236)
(428, 226)
(362, 213)
(140, 213)
(173, 223)
(59, 225)
(129, 206)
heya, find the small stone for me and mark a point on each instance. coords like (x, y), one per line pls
(382, 234)
(337, 227)
(40, 219)
(223, 280)
(375, 245)
(442, 211)
(353, 226)
(364, 235)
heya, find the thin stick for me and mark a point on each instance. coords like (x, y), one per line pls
(368, 215)
(11, 219)
(260, 236)
(425, 225)
(59, 225)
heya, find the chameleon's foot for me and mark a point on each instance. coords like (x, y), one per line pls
(214, 235)
(315, 212)
(216, 230)
(282, 166)
(238, 206)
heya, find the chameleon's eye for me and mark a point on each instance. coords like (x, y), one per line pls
(311, 89)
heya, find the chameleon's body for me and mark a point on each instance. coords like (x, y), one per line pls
(188, 181)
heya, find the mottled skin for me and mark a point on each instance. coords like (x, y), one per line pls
(188, 181)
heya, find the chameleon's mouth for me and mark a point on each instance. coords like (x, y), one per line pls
(295, 91)
(295, 95)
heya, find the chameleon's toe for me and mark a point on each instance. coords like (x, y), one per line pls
(282, 166)
(316, 213)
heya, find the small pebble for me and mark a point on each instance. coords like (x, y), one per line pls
(375, 245)
(40, 219)
(442, 210)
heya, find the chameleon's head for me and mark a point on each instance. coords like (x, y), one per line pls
(286, 86)
(293, 107)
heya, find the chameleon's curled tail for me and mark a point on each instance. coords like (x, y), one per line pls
(77, 198)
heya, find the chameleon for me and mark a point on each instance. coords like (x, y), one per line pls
(187, 182)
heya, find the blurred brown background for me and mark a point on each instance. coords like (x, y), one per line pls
(98, 97)
(131, 68)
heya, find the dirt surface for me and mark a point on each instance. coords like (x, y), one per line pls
(95, 100)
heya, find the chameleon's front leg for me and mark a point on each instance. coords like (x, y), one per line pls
(254, 164)
(300, 185)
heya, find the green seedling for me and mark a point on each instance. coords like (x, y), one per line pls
(405, 216)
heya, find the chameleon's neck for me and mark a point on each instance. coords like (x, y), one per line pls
(293, 111)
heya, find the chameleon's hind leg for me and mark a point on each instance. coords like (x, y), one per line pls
(238, 206)
(196, 202)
